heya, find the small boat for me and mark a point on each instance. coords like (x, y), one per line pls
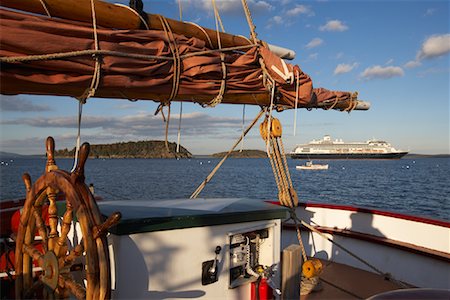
(310, 166)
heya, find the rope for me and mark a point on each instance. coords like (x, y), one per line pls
(176, 56)
(166, 140)
(210, 176)
(204, 32)
(143, 21)
(250, 21)
(297, 89)
(216, 13)
(180, 10)
(70, 54)
(218, 99)
(179, 127)
(77, 148)
(89, 92)
(45, 8)
(334, 104)
(243, 123)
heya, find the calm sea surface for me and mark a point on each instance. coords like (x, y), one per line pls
(413, 186)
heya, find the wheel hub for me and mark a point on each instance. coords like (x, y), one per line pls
(51, 270)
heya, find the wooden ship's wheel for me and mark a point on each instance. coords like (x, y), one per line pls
(78, 267)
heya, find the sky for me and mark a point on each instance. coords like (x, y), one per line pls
(395, 54)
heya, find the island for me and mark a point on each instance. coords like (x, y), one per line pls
(243, 154)
(140, 149)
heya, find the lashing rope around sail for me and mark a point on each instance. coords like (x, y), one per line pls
(218, 99)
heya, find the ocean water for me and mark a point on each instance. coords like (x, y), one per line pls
(412, 186)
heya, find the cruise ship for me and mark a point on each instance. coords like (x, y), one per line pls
(326, 148)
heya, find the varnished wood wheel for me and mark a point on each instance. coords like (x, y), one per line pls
(78, 266)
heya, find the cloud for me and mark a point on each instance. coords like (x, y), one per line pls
(16, 103)
(333, 25)
(344, 68)
(276, 20)
(315, 42)
(98, 129)
(434, 46)
(430, 12)
(412, 64)
(300, 10)
(228, 6)
(379, 72)
(140, 125)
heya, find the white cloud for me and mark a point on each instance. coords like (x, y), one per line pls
(299, 10)
(434, 46)
(276, 19)
(228, 6)
(315, 42)
(333, 25)
(344, 68)
(381, 72)
(412, 64)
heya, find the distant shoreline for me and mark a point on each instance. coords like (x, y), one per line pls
(244, 154)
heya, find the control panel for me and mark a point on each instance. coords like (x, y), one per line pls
(245, 256)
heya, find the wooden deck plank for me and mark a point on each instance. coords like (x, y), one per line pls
(341, 281)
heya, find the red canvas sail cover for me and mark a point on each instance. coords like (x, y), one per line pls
(140, 77)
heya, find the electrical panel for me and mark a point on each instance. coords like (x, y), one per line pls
(245, 254)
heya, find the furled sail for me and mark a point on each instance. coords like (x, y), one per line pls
(54, 56)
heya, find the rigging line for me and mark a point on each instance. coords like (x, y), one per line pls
(219, 19)
(243, 124)
(166, 142)
(180, 10)
(89, 92)
(249, 21)
(179, 127)
(269, 116)
(210, 176)
(45, 8)
(77, 148)
(297, 88)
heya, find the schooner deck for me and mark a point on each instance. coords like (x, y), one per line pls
(340, 281)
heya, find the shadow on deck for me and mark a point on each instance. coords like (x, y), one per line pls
(341, 281)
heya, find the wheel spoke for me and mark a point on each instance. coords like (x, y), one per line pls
(52, 217)
(65, 228)
(40, 224)
(74, 254)
(75, 288)
(34, 253)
